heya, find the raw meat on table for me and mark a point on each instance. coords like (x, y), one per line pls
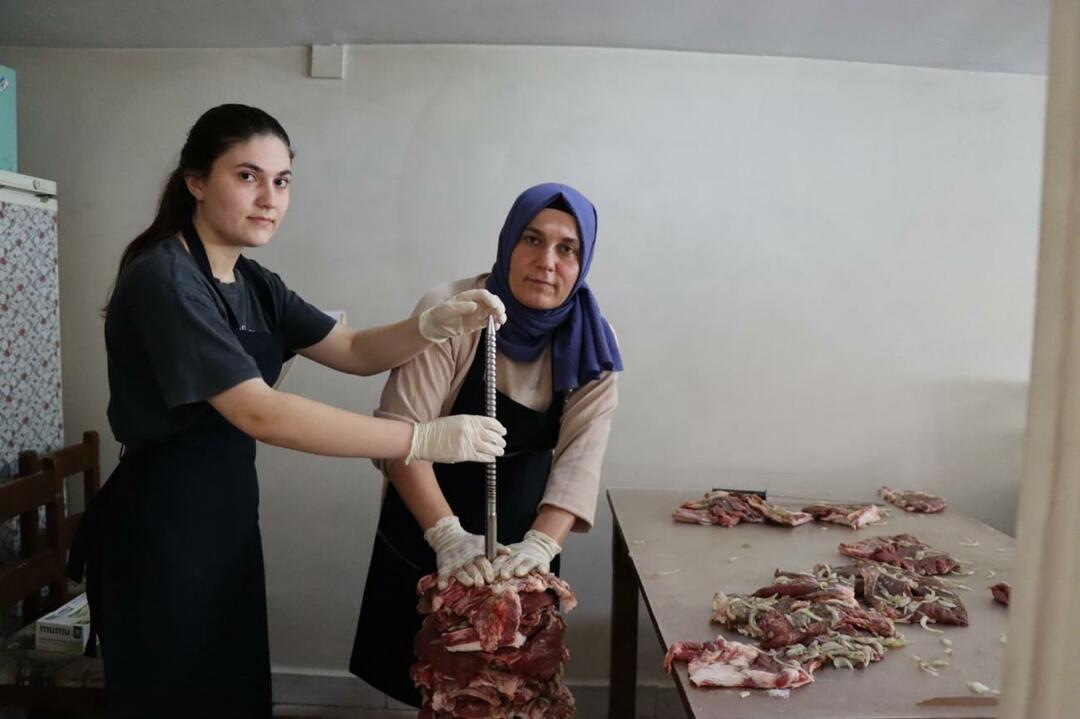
(855, 516)
(719, 507)
(733, 664)
(904, 551)
(795, 609)
(722, 663)
(912, 500)
(901, 595)
(777, 514)
(1001, 592)
(730, 508)
(493, 652)
(803, 621)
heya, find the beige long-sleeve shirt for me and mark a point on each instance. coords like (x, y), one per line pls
(427, 386)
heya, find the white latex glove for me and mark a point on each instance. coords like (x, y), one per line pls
(463, 313)
(458, 438)
(534, 552)
(459, 554)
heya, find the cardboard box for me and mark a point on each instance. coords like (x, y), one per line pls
(9, 146)
(65, 630)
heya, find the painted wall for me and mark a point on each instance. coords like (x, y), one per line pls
(821, 273)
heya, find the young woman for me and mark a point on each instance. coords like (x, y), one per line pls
(196, 334)
(556, 367)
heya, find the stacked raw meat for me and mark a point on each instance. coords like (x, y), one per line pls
(494, 652)
(727, 509)
(730, 508)
(912, 500)
(855, 516)
(903, 551)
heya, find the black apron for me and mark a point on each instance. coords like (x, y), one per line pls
(383, 648)
(174, 564)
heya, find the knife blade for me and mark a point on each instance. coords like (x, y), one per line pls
(959, 702)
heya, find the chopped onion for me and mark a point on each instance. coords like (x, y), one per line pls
(924, 624)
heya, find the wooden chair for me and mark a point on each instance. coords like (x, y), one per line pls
(45, 681)
(41, 563)
(84, 458)
(29, 678)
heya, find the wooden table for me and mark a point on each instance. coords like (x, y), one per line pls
(678, 567)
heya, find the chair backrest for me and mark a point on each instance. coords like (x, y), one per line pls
(77, 458)
(42, 560)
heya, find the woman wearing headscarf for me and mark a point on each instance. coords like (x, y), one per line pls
(556, 366)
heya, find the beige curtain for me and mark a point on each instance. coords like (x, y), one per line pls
(1042, 672)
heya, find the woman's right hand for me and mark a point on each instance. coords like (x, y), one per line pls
(458, 438)
(459, 554)
(463, 313)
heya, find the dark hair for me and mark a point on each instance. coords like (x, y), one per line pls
(212, 135)
(560, 204)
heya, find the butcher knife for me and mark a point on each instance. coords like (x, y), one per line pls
(759, 492)
(959, 702)
(833, 500)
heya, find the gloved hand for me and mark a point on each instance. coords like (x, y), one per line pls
(463, 313)
(458, 438)
(459, 554)
(534, 552)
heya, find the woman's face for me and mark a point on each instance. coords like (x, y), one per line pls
(546, 260)
(246, 194)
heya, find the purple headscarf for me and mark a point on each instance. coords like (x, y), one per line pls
(583, 344)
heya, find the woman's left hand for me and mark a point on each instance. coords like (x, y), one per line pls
(533, 553)
(461, 314)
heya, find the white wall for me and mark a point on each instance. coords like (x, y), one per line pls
(822, 273)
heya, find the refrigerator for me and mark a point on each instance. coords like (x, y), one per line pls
(31, 400)
(31, 411)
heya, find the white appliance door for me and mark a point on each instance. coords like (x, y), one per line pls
(31, 412)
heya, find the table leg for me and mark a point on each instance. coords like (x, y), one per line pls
(622, 686)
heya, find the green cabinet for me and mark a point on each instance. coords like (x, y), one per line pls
(9, 146)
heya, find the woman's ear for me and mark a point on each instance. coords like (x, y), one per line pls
(194, 185)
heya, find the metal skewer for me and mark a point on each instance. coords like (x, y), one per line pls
(489, 407)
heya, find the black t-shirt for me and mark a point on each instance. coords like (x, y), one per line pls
(170, 346)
